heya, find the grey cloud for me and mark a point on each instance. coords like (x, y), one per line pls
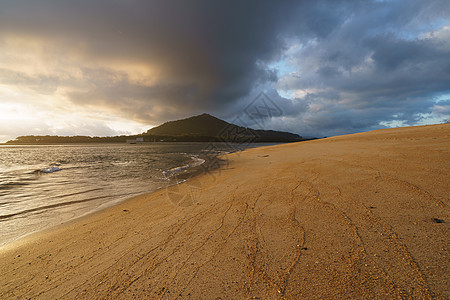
(442, 108)
(360, 62)
(41, 83)
(213, 46)
(372, 74)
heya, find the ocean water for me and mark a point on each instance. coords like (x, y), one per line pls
(45, 185)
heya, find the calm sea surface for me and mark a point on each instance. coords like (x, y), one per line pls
(42, 186)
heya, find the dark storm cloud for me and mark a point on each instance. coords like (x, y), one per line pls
(140, 102)
(377, 67)
(208, 52)
(358, 62)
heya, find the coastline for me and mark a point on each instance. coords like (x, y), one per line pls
(348, 216)
(37, 196)
(182, 174)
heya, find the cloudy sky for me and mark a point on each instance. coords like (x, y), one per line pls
(109, 67)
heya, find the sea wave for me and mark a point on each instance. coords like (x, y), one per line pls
(47, 170)
(197, 161)
(50, 169)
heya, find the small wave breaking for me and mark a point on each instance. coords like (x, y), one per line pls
(48, 170)
(196, 162)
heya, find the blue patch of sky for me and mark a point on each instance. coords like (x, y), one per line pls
(443, 97)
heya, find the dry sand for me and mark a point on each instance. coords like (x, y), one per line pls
(355, 216)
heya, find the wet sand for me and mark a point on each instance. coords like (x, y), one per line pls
(360, 216)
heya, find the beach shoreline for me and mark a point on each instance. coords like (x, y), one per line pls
(354, 216)
(43, 187)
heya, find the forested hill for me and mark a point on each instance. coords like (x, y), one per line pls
(201, 128)
(207, 125)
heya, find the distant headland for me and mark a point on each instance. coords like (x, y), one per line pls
(201, 128)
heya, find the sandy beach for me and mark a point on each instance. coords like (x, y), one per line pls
(362, 216)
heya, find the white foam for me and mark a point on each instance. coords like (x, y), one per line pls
(50, 170)
(196, 162)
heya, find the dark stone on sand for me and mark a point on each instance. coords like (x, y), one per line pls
(436, 220)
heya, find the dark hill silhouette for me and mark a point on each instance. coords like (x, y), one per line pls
(205, 125)
(201, 125)
(201, 128)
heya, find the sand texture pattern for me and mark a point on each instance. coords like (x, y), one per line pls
(362, 216)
